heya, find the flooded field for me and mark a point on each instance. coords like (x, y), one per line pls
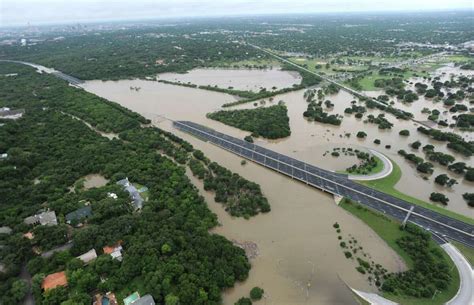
(416, 108)
(94, 180)
(296, 235)
(299, 261)
(240, 79)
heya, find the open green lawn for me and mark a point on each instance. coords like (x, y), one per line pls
(377, 169)
(388, 229)
(468, 252)
(387, 185)
(367, 82)
(310, 64)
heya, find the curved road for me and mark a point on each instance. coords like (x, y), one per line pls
(465, 293)
(387, 169)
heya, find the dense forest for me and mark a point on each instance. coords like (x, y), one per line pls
(48, 151)
(268, 122)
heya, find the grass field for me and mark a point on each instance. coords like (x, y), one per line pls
(367, 82)
(310, 64)
(389, 230)
(387, 185)
(377, 169)
(466, 251)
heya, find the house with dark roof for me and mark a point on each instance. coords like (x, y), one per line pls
(137, 199)
(78, 215)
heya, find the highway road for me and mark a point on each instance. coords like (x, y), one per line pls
(440, 225)
(70, 79)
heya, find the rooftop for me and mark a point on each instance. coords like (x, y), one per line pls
(45, 218)
(88, 256)
(54, 280)
(5, 230)
(144, 300)
(133, 192)
(79, 214)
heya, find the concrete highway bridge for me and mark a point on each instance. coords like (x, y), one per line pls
(442, 227)
(70, 79)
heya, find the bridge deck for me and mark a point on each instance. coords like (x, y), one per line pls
(336, 184)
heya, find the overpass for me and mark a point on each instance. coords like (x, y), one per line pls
(70, 79)
(441, 226)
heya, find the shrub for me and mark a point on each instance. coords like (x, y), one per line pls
(404, 132)
(361, 135)
(256, 293)
(243, 301)
(438, 197)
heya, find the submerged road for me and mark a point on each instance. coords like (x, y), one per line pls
(338, 184)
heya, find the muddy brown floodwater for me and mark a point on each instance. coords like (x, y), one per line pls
(299, 259)
(94, 180)
(240, 79)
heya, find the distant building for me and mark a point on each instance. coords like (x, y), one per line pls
(88, 257)
(7, 113)
(144, 300)
(137, 199)
(135, 299)
(54, 280)
(29, 235)
(5, 230)
(79, 214)
(115, 251)
(23, 42)
(45, 219)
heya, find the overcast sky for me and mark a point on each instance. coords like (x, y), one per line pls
(20, 12)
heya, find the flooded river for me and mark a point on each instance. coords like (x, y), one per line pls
(240, 79)
(300, 260)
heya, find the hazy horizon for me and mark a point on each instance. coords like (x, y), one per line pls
(39, 12)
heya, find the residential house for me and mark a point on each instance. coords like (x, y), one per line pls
(79, 214)
(135, 299)
(144, 300)
(88, 257)
(107, 299)
(29, 235)
(115, 251)
(5, 230)
(137, 199)
(7, 113)
(45, 219)
(54, 280)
